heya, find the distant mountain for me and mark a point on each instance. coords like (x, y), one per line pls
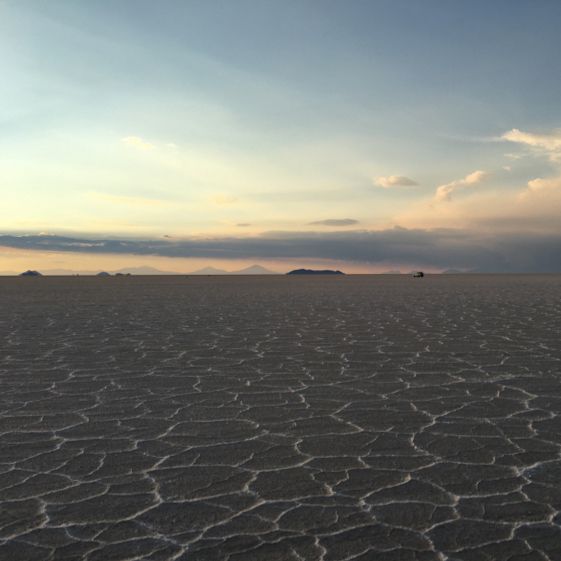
(396, 272)
(252, 270)
(31, 274)
(147, 270)
(314, 272)
(142, 270)
(209, 271)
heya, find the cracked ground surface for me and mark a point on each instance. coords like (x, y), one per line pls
(281, 419)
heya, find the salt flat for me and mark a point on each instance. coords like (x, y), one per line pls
(280, 418)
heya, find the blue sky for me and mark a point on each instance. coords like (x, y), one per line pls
(142, 119)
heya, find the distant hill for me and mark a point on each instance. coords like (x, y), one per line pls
(147, 270)
(31, 274)
(252, 270)
(209, 271)
(314, 272)
(142, 270)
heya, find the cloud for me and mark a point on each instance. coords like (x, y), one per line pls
(546, 143)
(137, 142)
(444, 192)
(512, 156)
(415, 248)
(394, 181)
(243, 224)
(334, 222)
(541, 186)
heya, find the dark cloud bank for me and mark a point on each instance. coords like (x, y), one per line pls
(441, 248)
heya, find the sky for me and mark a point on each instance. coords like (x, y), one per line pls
(366, 135)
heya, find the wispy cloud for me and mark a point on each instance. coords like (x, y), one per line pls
(444, 192)
(137, 142)
(548, 144)
(391, 181)
(334, 222)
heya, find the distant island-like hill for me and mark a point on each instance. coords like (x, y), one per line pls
(314, 272)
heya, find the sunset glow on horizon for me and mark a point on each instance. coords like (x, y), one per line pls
(368, 135)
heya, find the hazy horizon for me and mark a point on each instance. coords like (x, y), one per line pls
(364, 136)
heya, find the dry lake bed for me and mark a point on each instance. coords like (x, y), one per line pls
(360, 418)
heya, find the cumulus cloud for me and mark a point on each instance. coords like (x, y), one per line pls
(541, 186)
(137, 142)
(419, 248)
(334, 222)
(444, 192)
(546, 143)
(394, 181)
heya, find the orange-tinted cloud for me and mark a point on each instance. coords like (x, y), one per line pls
(392, 181)
(444, 192)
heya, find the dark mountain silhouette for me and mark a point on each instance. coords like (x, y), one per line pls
(314, 272)
(31, 274)
(147, 270)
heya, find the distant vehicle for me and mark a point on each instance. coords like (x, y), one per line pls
(418, 274)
